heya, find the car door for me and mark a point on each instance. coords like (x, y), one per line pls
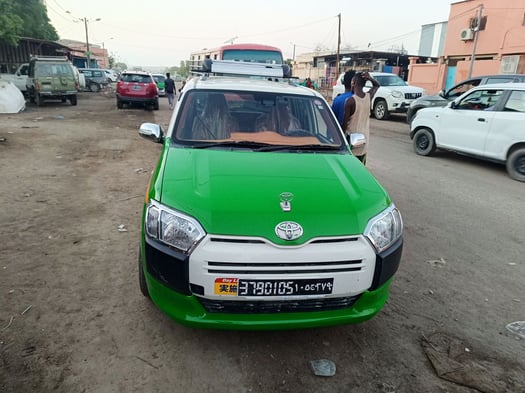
(466, 123)
(507, 125)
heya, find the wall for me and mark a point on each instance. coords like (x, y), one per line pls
(504, 34)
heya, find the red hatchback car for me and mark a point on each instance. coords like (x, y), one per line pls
(137, 87)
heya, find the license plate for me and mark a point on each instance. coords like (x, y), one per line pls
(137, 87)
(243, 287)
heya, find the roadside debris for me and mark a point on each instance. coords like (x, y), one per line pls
(437, 262)
(122, 228)
(455, 362)
(323, 367)
(518, 328)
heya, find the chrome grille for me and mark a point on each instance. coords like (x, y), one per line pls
(283, 268)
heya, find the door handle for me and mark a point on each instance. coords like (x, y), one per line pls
(481, 119)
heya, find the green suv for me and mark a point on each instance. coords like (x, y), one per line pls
(51, 78)
(257, 215)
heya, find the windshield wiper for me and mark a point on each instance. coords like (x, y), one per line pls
(301, 147)
(239, 144)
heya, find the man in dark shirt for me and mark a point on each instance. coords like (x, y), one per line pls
(169, 85)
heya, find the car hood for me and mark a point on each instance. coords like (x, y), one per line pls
(240, 192)
(434, 98)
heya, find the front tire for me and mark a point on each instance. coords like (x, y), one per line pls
(381, 110)
(424, 142)
(516, 164)
(73, 100)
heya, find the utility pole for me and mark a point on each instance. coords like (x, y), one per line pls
(474, 45)
(88, 53)
(338, 47)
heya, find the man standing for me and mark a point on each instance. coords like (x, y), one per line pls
(338, 105)
(357, 111)
(169, 85)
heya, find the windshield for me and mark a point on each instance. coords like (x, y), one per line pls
(255, 119)
(159, 78)
(390, 80)
(254, 56)
(53, 69)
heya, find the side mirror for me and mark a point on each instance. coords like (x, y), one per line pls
(442, 93)
(357, 140)
(152, 132)
(452, 105)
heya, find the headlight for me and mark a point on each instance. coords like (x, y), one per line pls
(171, 227)
(397, 94)
(385, 228)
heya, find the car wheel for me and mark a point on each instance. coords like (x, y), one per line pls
(38, 100)
(94, 87)
(516, 164)
(156, 105)
(381, 110)
(142, 279)
(424, 142)
(120, 105)
(73, 99)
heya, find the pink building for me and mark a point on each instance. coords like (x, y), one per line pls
(483, 37)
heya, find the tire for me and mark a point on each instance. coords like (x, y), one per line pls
(142, 280)
(120, 105)
(73, 100)
(516, 164)
(381, 110)
(38, 99)
(156, 105)
(424, 142)
(94, 87)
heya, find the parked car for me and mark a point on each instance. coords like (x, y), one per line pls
(258, 216)
(393, 96)
(96, 78)
(159, 80)
(51, 78)
(81, 79)
(485, 122)
(445, 96)
(111, 75)
(18, 78)
(137, 87)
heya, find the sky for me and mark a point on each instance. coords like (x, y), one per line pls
(163, 33)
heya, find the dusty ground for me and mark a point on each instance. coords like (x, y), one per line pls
(73, 320)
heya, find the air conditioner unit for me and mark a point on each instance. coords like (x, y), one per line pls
(466, 35)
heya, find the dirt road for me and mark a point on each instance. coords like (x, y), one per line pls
(72, 318)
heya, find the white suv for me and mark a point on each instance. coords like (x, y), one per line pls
(393, 95)
(485, 122)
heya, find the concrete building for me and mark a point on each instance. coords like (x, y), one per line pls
(482, 37)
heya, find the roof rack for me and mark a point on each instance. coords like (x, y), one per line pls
(230, 67)
(50, 58)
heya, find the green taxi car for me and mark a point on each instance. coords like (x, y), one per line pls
(257, 215)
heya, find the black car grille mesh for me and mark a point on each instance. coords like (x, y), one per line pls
(271, 307)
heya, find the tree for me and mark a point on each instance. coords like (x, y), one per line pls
(10, 23)
(24, 18)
